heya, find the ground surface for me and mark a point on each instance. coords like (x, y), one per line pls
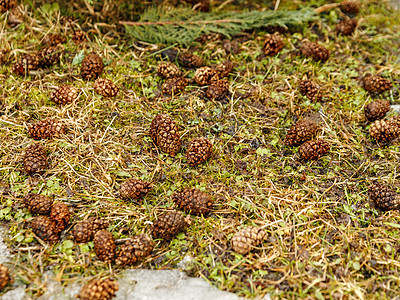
(325, 238)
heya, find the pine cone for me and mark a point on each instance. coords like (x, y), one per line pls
(224, 68)
(38, 204)
(105, 87)
(315, 51)
(350, 7)
(168, 70)
(84, 231)
(61, 215)
(311, 90)
(217, 90)
(205, 75)
(193, 201)
(273, 44)
(165, 135)
(50, 56)
(102, 289)
(53, 40)
(346, 27)
(104, 245)
(384, 197)
(247, 238)
(174, 86)
(92, 66)
(190, 60)
(26, 63)
(7, 5)
(79, 37)
(377, 109)
(168, 225)
(301, 132)
(313, 149)
(46, 129)
(35, 159)
(134, 250)
(199, 151)
(45, 229)
(134, 189)
(4, 276)
(385, 130)
(376, 84)
(64, 94)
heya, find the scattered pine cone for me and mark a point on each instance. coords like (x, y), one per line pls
(168, 70)
(190, 60)
(377, 109)
(310, 89)
(174, 86)
(38, 204)
(205, 75)
(315, 51)
(165, 135)
(7, 5)
(217, 90)
(46, 129)
(104, 245)
(53, 40)
(384, 197)
(26, 63)
(92, 66)
(385, 130)
(193, 201)
(102, 289)
(224, 68)
(199, 151)
(61, 215)
(84, 231)
(35, 159)
(350, 7)
(45, 229)
(4, 276)
(134, 189)
(301, 132)
(313, 149)
(105, 87)
(134, 250)
(78, 37)
(376, 84)
(168, 225)
(346, 27)
(273, 44)
(64, 94)
(50, 56)
(247, 238)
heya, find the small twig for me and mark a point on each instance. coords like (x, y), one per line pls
(326, 7)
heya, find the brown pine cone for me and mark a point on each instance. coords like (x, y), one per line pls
(134, 250)
(64, 94)
(92, 66)
(247, 238)
(79, 37)
(168, 70)
(104, 245)
(45, 229)
(102, 289)
(301, 132)
(224, 68)
(313, 149)
(38, 204)
(377, 109)
(168, 225)
(311, 90)
(35, 159)
(85, 230)
(105, 87)
(273, 44)
(199, 151)
(4, 276)
(217, 90)
(174, 86)
(190, 60)
(205, 75)
(376, 84)
(134, 189)
(193, 201)
(7, 5)
(315, 51)
(165, 134)
(384, 197)
(61, 215)
(26, 63)
(50, 56)
(346, 27)
(350, 7)
(53, 40)
(385, 130)
(46, 129)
